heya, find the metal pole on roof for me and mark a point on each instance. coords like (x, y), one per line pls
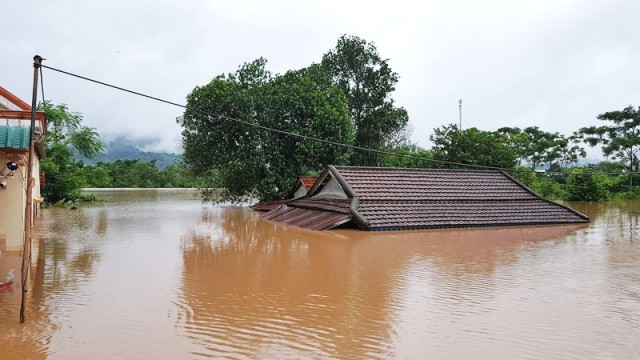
(460, 110)
(28, 211)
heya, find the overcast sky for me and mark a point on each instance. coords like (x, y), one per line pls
(551, 63)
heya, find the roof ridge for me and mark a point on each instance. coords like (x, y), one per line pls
(356, 167)
(466, 200)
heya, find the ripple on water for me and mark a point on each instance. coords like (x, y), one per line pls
(168, 277)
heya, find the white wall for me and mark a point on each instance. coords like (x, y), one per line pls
(12, 206)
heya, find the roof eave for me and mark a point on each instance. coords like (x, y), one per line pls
(14, 99)
(502, 224)
(585, 217)
(360, 220)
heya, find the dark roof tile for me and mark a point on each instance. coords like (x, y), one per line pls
(393, 198)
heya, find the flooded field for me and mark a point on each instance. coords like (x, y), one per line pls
(159, 275)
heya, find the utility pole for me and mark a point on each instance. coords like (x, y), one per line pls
(460, 110)
(28, 211)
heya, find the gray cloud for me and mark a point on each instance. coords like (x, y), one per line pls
(555, 64)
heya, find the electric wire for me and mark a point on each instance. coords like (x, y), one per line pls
(44, 104)
(211, 118)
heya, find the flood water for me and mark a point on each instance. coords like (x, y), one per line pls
(159, 275)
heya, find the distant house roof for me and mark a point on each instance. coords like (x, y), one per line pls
(308, 181)
(396, 198)
(302, 186)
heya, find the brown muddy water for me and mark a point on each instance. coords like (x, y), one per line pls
(159, 275)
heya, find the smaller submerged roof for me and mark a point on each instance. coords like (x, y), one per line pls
(303, 184)
(269, 205)
(314, 214)
(308, 181)
(397, 198)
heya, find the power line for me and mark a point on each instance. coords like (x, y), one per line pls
(211, 117)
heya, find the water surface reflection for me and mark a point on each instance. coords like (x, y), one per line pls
(256, 289)
(157, 274)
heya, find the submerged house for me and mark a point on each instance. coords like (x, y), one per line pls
(304, 184)
(301, 188)
(15, 127)
(372, 198)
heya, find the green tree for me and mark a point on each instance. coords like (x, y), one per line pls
(538, 147)
(96, 176)
(517, 140)
(565, 151)
(179, 175)
(582, 185)
(65, 130)
(471, 146)
(133, 174)
(617, 184)
(620, 138)
(367, 82)
(244, 160)
(415, 157)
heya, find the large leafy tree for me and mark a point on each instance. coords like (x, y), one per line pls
(64, 131)
(245, 160)
(537, 147)
(584, 185)
(367, 82)
(620, 137)
(409, 156)
(472, 147)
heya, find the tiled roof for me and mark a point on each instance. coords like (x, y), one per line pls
(15, 137)
(430, 184)
(269, 205)
(417, 214)
(336, 205)
(315, 214)
(395, 198)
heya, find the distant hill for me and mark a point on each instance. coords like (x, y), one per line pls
(126, 149)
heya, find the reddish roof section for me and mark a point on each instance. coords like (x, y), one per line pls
(14, 99)
(396, 198)
(308, 181)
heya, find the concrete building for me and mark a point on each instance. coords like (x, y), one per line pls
(15, 123)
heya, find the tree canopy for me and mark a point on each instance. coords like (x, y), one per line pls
(620, 138)
(367, 82)
(250, 161)
(471, 146)
(537, 147)
(65, 130)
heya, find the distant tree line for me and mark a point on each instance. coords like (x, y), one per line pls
(135, 174)
(65, 177)
(543, 161)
